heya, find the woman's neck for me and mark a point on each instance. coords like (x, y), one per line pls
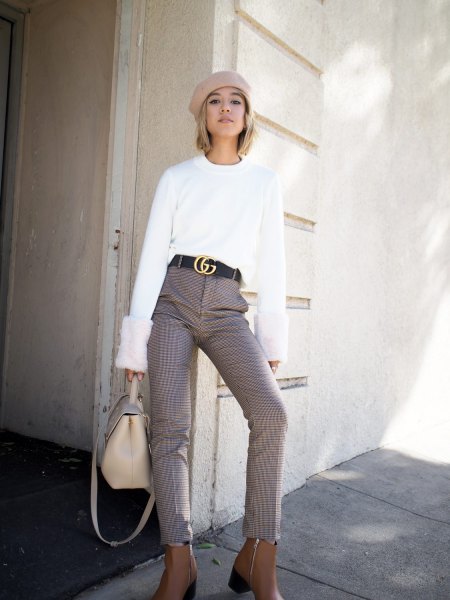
(224, 153)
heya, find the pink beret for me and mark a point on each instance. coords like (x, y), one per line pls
(214, 82)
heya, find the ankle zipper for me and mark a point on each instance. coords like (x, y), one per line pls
(252, 561)
(191, 554)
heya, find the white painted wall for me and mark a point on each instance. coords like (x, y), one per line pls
(381, 303)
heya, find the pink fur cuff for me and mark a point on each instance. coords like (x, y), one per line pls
(271, 331)
(134, 336)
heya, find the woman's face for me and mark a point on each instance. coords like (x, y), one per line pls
(225, 112)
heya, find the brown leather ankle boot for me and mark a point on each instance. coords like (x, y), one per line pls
(179, 580)
(255, 569)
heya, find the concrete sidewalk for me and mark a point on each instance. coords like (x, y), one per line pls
(375, 527)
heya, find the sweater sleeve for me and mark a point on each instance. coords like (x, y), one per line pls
(271, 320)
(136, 327)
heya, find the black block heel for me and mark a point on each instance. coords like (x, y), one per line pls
(190, 592)
(238, 583)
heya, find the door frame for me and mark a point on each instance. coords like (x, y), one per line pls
(17, 18)
(119, 204)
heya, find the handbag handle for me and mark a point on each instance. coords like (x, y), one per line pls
(94, 482)
(134, 390)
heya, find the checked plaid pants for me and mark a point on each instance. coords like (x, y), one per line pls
(208, 311)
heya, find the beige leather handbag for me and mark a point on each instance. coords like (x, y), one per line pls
(126, 460)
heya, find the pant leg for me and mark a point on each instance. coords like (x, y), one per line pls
(240, 360)
(169, 360)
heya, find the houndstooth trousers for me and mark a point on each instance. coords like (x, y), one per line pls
(208, 311)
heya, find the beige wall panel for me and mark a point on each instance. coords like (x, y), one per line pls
(284, 91)
(203, 441)
(295, 467)
(297, 167)
(224, 35)
(298, 363)
(231, 463)
(299, 343)
(298, 23)
(299, 262)
(55, 284)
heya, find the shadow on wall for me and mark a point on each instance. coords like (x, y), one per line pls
(381, 309)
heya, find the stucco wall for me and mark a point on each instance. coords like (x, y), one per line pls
(59, 207)
(351, 101)
(381, 310)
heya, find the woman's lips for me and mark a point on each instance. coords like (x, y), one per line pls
(226, 121)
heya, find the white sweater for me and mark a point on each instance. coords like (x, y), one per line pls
(233, 213)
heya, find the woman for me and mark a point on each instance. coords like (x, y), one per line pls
(216, 222)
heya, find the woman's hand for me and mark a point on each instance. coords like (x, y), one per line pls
(130, 373)
(274, 365)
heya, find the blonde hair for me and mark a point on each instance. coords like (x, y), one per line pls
(246, 137)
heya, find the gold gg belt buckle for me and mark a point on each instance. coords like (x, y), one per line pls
(203, 266)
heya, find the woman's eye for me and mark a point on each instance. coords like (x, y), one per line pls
(236, 102)
(213, 101)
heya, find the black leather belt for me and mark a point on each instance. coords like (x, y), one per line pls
(205, 265)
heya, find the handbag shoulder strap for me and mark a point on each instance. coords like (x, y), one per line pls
(94, 486)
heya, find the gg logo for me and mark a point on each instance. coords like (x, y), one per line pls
(202, 266)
